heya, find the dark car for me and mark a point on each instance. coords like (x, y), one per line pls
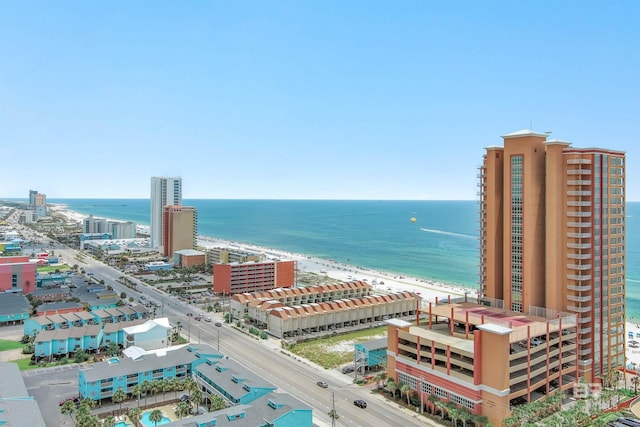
(189, 314)
(347, 369)
(360, 403)
(75, 400)
(322, 384)
(184, 398)
(218, 324)
(198, 317)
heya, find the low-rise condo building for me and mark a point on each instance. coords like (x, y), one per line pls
(234, 278)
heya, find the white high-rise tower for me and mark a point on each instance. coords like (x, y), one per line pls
(164, 191)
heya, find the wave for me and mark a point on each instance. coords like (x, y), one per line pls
(633, 280)
(449, 233)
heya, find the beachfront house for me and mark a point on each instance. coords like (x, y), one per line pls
(62, 342)
(14, 308)
(150, 335)
(273, 409)
(233, 381)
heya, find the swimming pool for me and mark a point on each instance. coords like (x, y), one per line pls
(148, 423)
(122, 424)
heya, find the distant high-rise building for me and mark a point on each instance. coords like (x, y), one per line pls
(121, 230)
(32, 199)
(164, 191)
(552, 231)
(180, 229)
(94, 225)
(40, 204)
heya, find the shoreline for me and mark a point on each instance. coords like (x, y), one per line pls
(381, 281)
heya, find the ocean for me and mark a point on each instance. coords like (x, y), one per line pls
(440, 245)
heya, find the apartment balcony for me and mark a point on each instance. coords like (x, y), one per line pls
(576, 309)
(579, 214)
(579, 266)
(584, 351)
(585, 330)
(584, 341)
(581, 193)
(575, 298)
(579, 245)
(579, 172)
(582, 288)
(578, 182)
(579, 235)
(584, 319)
(579, 256)
(581, 277)
(585, 362)
(578, 161)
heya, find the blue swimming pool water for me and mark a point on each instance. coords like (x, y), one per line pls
(122, 424)
(145, 420)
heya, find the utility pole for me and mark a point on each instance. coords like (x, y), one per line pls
(333, 410)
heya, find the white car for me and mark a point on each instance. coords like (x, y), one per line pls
(536, 342)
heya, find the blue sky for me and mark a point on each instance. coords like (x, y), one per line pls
(304, 99)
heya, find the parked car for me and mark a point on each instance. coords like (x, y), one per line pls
(218, 324)
(322, 384)
(75, 400)
(207, 319)
(347, 369)
(360, 403)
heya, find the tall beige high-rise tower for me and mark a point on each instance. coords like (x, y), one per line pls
(552, 235)
(180, 229)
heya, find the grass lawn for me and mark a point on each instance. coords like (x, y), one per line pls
(23, 364)
(49, 268)
(331, 352)
(9, 345)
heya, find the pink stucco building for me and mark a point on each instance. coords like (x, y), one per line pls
(17, 274)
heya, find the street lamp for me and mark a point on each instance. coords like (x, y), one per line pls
(218, 329)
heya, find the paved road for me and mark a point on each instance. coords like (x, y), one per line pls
(290, 375)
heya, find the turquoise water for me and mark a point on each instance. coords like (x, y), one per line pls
(440, 245)
(122, 424)
(146, 422)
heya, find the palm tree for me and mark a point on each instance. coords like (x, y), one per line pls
(404, 391)
(68, 408)
(190, 385)
(196, 398)
(433, 399)
(440, 405)
(481, 420)
(217, 403)
(464, 415)
(109, 421)
(183, 409)
(172, 385)
(135, 415)
(118, 397)
(146, 387)
(391, 387)
(137, 390)
(635, 382)
(156, 386)
(155, 416)
(453, 412)
(379, 378)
